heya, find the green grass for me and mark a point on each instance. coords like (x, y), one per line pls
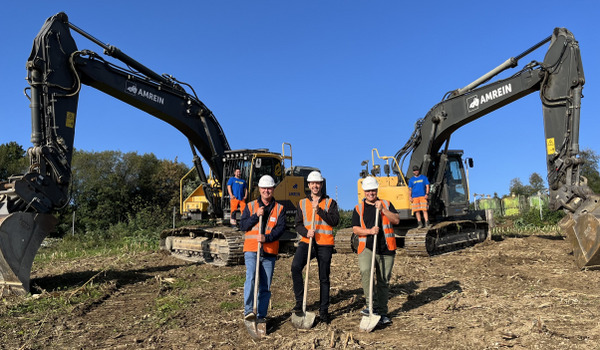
(165, 308)
(235, 281)
(230, 305)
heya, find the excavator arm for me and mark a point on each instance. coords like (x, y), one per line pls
(56, 71)
(559, 79)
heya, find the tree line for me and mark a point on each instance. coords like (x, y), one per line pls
(138, 192)
(111, 188)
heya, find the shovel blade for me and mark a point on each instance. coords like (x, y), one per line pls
(252, 329)
(368, 323)
(303, 320)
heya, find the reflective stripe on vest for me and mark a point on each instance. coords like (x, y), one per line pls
(251, 236)
(388, 228)
(323, 231)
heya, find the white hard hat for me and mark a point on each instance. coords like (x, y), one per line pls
(266, 181)
(370, 183)
(314, 176)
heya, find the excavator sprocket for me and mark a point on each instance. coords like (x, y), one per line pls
(444, 237)
(219, 245)
(21, 235)
(583, 231)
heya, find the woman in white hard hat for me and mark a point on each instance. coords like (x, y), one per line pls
(365, 227)
(273, 224)
(326, 217)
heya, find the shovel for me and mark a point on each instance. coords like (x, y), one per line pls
(368, 323)
(256, 330)
(305, 320)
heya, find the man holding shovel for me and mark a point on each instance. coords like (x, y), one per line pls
(381, 234)
(264, 222)
(316, 216)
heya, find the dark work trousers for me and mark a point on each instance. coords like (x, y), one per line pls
(323, 254)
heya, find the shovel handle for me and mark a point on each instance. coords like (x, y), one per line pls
(373, 264)
(255, 306)
(310, 240)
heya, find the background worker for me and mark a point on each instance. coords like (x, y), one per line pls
(365, 227)
(238, 192)
(273, 224)
(326, 217)
(418, 187)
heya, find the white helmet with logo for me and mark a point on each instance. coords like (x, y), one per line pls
(314, 176)
(266, 181)
(370, 183)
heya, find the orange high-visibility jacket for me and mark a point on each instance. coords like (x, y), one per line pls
(323, 232)
(388, 229)
(251, 237)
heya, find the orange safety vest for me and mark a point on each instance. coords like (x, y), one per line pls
(251, 236)
(323, 232)
(388, 229)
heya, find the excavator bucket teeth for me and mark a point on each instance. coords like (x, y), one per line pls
(583, 232)
(21, 235)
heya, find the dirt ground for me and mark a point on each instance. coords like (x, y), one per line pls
(518, 293)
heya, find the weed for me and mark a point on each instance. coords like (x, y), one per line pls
(235, 281)
(168, 306)
(230, 305)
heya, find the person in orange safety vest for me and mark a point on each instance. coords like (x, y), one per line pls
(365, 227)
(326, 217)
(273, 228)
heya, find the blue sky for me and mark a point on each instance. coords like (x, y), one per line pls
(333, 78)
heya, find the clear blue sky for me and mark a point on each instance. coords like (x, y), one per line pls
(333, 78)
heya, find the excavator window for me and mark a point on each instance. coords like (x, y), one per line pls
(454, 181)
(267, 166)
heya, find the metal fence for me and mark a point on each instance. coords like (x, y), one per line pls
(511, 206)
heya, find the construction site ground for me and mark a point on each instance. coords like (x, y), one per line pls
(510, 292)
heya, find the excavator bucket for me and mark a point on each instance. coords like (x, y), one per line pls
(21, 235)
(583, 231)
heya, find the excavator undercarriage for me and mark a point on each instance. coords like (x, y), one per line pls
(219, 246)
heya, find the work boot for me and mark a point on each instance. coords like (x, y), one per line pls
(420, 225)
(297, 309)
(325, 318)
(427, 224)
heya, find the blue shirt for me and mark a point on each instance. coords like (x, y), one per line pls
(238, 187)
(418, 185)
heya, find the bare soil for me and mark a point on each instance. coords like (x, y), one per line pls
(518, 293)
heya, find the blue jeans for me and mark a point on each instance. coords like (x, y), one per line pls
(265, 276)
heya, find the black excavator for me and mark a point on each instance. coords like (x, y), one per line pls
(559, 80)
(57, 69)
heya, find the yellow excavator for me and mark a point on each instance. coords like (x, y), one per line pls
(56, 71)
(559, 80)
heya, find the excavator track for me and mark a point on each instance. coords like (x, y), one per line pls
(444, 237)
(215, 245)
(343, 241)
(219, 245)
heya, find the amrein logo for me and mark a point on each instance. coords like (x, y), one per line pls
(474, 102)
(132, 89)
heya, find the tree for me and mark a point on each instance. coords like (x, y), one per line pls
(589, 169)
(517, 188)
(111, 187)
(536, 183)
(12, 160)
